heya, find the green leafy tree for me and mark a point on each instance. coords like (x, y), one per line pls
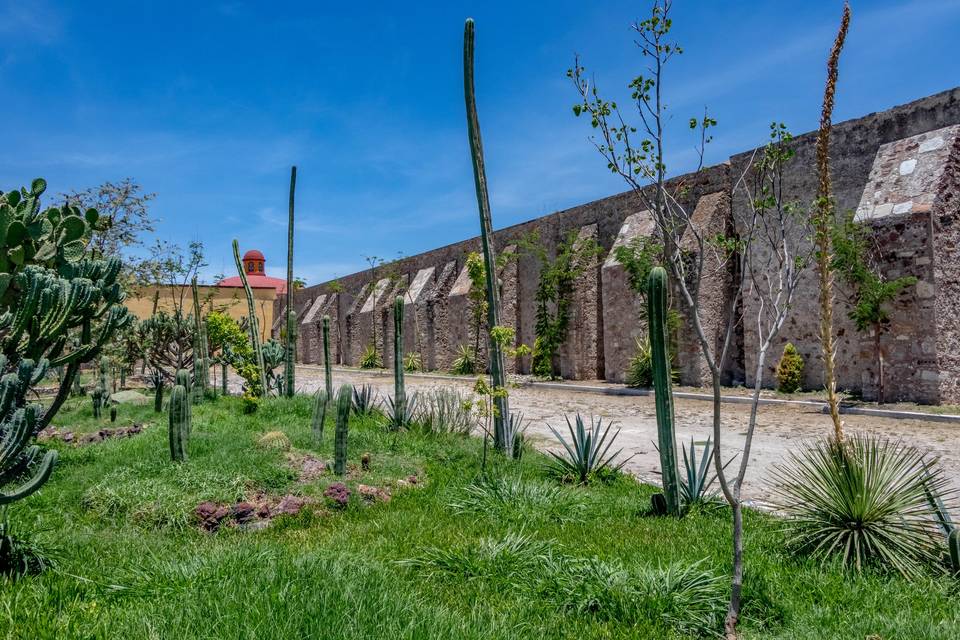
(869, 291)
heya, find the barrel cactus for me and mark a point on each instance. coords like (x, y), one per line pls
(58, 308)
(344, 403)
(659, 346)
(179, 423)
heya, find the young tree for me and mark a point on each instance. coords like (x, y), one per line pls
(870, 291)
(766, 254)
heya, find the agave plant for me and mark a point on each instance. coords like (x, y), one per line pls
(640, 369)
(465, 363)
(695, 488)
(587, 452)
(864, 500)
(404, 415)
(365, 400)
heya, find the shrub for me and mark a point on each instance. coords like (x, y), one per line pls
(863, 500)
(465, 364)
(587, 452)
(371, 359)
(790, 370)
(250, 403)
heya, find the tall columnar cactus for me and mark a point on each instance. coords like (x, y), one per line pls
(399, 388)
(179, 423)
(289, 363)
(320, 403)
(201, 363)
(344, 403)
(501, 438)
(224, 388)
(182, 379)
(58, 308)
(101, 393)
(659, 341)
(252, 322)
(157, 392)
(327, 370)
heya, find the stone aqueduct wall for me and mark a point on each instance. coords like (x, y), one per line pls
(898, 169)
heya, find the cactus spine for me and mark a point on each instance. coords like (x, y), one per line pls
(657, 327)
(327, 371)
(320, 403)
(399, 388)
(179, 423)
(253, 323)
(497, 366)
(290, 364)
(344, 403)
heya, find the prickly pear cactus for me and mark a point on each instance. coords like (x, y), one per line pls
(58, 308)
(344, 403)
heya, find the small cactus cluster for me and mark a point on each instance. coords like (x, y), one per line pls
(344, 404)
(669, 501)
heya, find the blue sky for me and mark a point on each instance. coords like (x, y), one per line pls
(208, 105)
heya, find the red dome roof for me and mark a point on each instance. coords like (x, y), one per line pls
(253, 254)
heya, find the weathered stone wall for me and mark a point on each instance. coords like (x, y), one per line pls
(922, 342)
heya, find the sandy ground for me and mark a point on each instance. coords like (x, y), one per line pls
(780, 428)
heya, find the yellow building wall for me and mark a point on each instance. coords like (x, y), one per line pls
(230, 300)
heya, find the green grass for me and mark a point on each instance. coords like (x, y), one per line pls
(515, 557)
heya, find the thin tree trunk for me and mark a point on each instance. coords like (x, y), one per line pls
(736, 587)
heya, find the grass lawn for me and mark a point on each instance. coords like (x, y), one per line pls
(533, 559)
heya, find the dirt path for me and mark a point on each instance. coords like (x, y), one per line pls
(780, 428)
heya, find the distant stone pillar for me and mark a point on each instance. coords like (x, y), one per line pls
(581, 355)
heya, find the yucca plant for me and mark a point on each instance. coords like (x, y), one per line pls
(370, 358)
(413, 362)
(587, 452)
(465, 364)
(365, 400)
(864, 500)
(640, 369)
